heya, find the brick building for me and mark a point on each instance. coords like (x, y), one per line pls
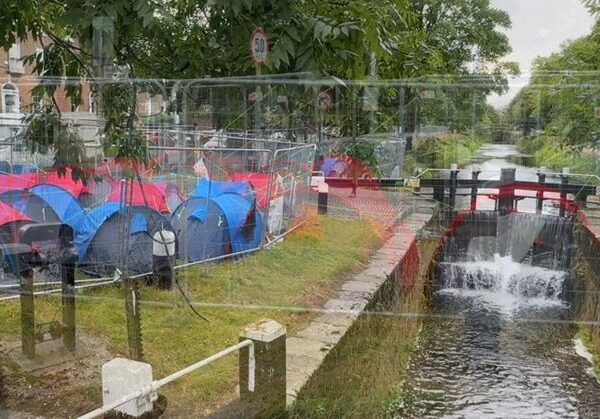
(17, 99)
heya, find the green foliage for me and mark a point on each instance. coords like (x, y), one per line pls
(563, 93)
(45, 132)
(441, 152)
(554, 153)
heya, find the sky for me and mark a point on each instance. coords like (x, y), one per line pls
(539, 27)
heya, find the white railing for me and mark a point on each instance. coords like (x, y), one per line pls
(155, 385)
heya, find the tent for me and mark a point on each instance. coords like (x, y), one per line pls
(65, 181)
(135, 195)
(50, 204)
(17, 182)
(10, 222)
(209, 188)
(201, 229)
(172, 196)
(98, 190)
(226, 222)
(260, 183)
(100, 237)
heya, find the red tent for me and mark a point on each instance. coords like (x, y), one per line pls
(13, 182)
(9, 215)
(66, 182)
(260, 183)
(156, 199)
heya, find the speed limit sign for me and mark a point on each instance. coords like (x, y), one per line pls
(259, 46)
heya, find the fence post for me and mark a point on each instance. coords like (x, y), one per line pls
(540, 193)
(474, 177)
(322, 198)
(564, 180)
(453, 185)
(263, 390)
(506, 195)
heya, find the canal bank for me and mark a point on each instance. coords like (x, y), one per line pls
(497, 336)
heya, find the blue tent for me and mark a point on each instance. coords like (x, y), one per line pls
(45, 204)
(49, 203)
(220, 218)
(99, 233)
(211, 188)
(201, 229)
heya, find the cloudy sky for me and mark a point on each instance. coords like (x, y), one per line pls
(539, 27)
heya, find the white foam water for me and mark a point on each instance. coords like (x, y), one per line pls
(503, 282)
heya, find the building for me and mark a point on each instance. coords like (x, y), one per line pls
(17, 98)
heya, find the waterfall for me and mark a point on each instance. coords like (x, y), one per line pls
(527, 258)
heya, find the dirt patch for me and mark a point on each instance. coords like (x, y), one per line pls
(72, 386)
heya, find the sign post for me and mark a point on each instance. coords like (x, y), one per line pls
(259, 51)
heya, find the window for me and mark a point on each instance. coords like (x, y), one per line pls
(15, 65)
(10, 98)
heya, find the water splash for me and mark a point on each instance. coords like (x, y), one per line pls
(504, 283)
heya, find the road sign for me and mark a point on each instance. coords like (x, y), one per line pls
(597, 112)
(259, 46)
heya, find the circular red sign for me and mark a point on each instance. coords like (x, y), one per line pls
(259, 46)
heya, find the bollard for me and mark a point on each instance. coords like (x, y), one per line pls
(506, 195)
(122, 376)
(540, 193)
(453, 185)
(564, 180)
(265, 396)
(474, 177)
(67, 271)
(322, 198)
(28, 340)
(163, 255)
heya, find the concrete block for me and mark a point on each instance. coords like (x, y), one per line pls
(121, 377)
(310, 348)
(323, 332)
(345, 305)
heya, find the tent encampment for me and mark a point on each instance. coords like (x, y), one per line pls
(201, 229)
(103, 243)
(50, 204)
(148, 194)
(10, 222)
(217, 221)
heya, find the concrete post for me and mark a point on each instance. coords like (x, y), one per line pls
(28, 340)
(322, 198)
(121, 377)
(263, 391)
(564, 180)
(540, 193)
(452, 194)
(506, 195)
(474, 177)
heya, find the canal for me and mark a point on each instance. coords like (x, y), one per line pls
(489, 328)
(500, 340)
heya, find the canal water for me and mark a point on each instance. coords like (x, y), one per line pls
(500, 341)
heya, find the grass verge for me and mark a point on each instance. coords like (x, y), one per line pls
(551, 152)
(362, 377)
(278, 283)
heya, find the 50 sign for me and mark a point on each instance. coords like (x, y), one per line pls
(259, 46)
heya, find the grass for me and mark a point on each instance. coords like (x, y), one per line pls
(300, 272)
(553, 153)
(441, 152)
(587, 297)
(362, 377)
